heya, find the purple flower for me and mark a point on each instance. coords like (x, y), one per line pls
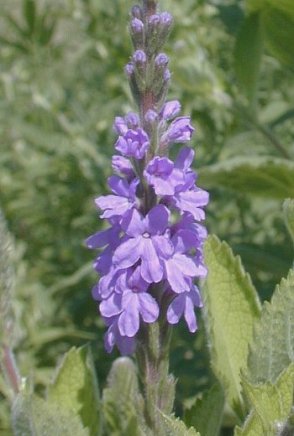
(147, 242)
(113, 337)
(123, 166)
(183, 305)
(132, 119)
(158, 174)
(170, 110)
(133, 301)
(124, 200)
(134, 143)
(191, 201)
(167, 177)
(180, 130)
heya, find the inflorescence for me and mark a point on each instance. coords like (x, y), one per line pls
(152, 250)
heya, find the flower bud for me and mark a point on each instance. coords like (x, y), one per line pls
(139, 58)
(132, 120)
(170, 110)
(151, 116)
(137, 12)
(137, 32)
(161, 60)
(129, 69)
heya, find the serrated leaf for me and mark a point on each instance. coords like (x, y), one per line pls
(271, 405)
(248, 54)
(122, 402)
(273, 347)
(175, 427)
(33, 416)
(263, 176)
(288, 210)
(75, 388)
(231, 310)
(206, 413)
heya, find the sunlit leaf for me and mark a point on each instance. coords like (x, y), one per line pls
(273, 347)
(232, 308)
(75, 388)
(271, 405)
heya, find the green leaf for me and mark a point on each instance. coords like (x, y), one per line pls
(279, 34)
(29, 12)
(75, 388)
(33, 416)
(286, 6)
(288, 210)
(206, 413)
(122, 402)
(271, 405)
(175, 427)
(273, 347)
(248, 54)
(263, 176)
(231, 310)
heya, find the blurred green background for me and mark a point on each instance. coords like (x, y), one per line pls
(62, 83)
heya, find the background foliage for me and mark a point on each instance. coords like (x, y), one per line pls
(62, 83)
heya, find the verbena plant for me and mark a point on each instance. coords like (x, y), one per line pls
(152, 251)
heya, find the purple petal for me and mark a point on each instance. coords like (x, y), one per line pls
(123, 165)
(119, 186)
(177, 280)
(128, 253)
(133, 223)
(99, 239)
(112, 306)
(157, 219)
(170, 110)
(163, 245)
(151, 268)
(176, 310)
(113, 205)
(189, 315)
(120, 126)
(129, 320)
(184, 158)
(148, 307)
(186, 265)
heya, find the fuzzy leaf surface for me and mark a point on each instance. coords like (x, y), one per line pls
(33, 416)
(271, 405)
(231, 310)
(75, 388)
(273, 347)
(176, 427)
(122, 402)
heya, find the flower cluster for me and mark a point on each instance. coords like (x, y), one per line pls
(151, 251)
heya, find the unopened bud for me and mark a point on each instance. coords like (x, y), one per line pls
(132, 120)
(139, 58)
(129, 69)
(137, 12)
(137, 32)
(151, 116)
(161, 60)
